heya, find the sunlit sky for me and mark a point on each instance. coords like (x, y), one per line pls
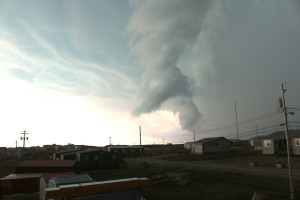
(83, 71)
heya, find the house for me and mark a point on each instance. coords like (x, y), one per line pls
(211, 145)
(57, 181)
(256, 142)
(275, 143)
(94, 159)
(47, 166)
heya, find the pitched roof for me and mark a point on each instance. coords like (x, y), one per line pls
(72, 179)
(206, 140)
(261, 137)
(21, 176)
(279, 135)
(47, 163)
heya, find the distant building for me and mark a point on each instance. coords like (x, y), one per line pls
(211, 145)
(128, 151)
(256, 142)
(94, 159)
(188, 145)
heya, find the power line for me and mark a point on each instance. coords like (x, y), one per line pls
(240, 123)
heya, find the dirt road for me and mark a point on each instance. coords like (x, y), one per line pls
(224, 167)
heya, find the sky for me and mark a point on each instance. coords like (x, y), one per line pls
(92, 72)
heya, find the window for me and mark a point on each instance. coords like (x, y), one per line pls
(96, 157)
(297, 141)
(86, 157)
(267, 143)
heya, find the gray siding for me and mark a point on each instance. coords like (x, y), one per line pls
(270, 149)
(295, 146)
(218, 145)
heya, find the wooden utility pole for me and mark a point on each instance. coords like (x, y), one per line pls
(236, 122)
(284, 110)
(24, 138)
(256, 130)
(193, 146)
(140, 142)
(17, 149)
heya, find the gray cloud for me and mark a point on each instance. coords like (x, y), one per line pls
(163, 31)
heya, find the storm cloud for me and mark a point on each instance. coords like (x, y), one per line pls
(162, 32)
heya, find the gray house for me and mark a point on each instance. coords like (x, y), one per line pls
(211, 145)
(275, 143)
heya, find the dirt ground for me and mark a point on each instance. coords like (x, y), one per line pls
(216, 176)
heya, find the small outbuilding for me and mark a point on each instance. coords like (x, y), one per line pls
(211, 145)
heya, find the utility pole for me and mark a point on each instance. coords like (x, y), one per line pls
(163, 140)
(236, 122)
(193, 147)
(17, 149)
(194, 136)
(284, 110)
(109, 141)
(256, 130)
(24, 138)
(140, 142)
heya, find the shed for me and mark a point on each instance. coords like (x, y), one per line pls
(275, 143)
(47, 166)
(57, 181)
(211, 145)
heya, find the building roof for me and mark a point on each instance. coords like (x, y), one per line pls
(72, 179)
(47, 163)
(21, 176)
(279, 135)
(125, 147)
(96, 187)
(207, 140)
(258, 137)
(89, 150)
